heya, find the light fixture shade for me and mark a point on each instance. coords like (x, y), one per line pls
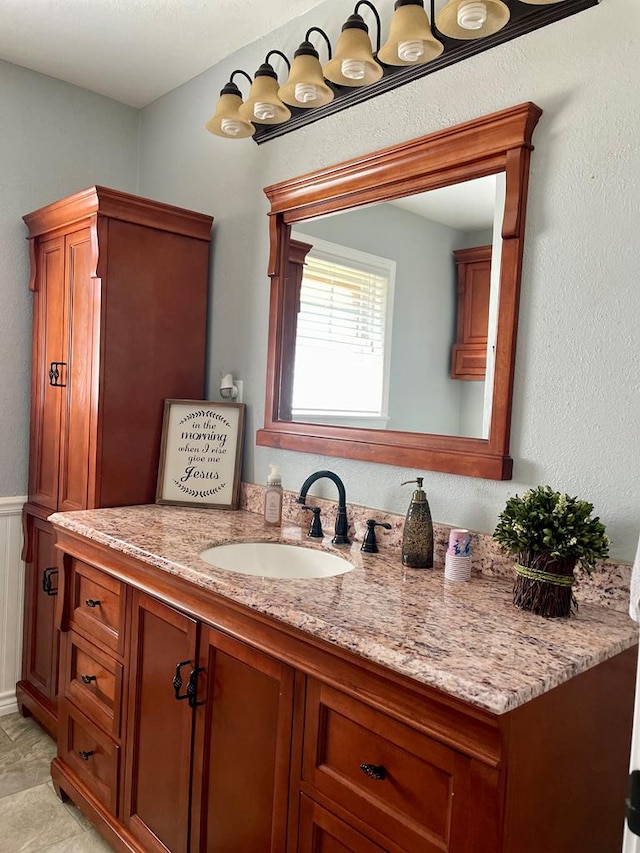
(482, 17)
(354, 49)
(227, 121)
(306, 75)
(263, 106)
(409, 24)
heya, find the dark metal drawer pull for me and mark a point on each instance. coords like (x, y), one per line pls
(177, 681)
(192, 687)
(47, 574)
(374, 771)
(87, 679)
(54, 374)
(92, 602)
(85, 756)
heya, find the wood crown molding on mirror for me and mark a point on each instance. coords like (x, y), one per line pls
(500, 142)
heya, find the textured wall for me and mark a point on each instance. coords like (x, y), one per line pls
(576, 403)
(54, 139)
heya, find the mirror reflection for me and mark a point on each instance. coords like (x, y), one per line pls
(393, 310)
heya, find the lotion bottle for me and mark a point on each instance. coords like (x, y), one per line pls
(273, 497)
(417, 538)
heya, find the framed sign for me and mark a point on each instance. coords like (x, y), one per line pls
(201, 454)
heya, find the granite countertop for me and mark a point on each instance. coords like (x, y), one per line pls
(466, 639)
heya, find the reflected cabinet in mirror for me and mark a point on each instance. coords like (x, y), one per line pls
(394, 301)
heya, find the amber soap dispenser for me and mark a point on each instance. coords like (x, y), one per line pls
(417, 538)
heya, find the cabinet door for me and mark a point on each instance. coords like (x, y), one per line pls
(243, 732)
(40, 651)
(159, 727)
(47, 390)
(81, 336)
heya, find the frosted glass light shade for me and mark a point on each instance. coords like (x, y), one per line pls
(410, 33)
(452, 17)
(263, 105)
(306, 72)
(227, 121)
(353, 55)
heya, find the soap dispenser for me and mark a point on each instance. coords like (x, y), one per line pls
(273, 497)
(417, 539)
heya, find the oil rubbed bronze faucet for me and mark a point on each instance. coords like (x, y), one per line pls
(340, 535)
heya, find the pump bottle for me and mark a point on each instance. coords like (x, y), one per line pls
(417, 538)
(273, 497)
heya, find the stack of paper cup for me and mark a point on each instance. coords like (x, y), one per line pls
(457, 560)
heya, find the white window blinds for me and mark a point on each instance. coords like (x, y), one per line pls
(343, 334)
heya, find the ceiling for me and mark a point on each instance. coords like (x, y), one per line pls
(134, 51)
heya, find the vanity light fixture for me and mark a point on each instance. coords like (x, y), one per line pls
(305, 87)
(263, 104)
(353, 63)
(420, 41)
(472, 19)
(411, 41)
(227, 120)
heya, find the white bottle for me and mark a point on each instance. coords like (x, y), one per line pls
(273, 497)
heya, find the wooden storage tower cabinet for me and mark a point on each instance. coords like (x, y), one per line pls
(119, 325)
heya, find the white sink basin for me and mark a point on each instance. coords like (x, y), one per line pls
(273, 560)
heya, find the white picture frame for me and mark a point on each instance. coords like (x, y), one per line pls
(201, 454)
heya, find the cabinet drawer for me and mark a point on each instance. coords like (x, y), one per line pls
(323, 832)
(90, 753)
(93, 681)
(407, 793)
(97, 606)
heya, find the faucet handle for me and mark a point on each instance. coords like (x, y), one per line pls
(369, 544)
(315, 530)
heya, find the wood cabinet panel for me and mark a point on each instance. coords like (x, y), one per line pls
(79, 357)
(323, 832)
(93, 682)
(40, 648)
(243, 732)
(97, 606)
(158, 756)
(92, 755)
(469, 353)
(48, 351)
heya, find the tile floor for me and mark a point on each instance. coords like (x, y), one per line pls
(32, 818)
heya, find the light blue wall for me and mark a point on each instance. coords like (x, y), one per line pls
(576, 403)
(55, 139)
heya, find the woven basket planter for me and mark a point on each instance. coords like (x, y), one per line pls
(544, 585)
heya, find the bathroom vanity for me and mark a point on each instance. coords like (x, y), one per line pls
(378, 710)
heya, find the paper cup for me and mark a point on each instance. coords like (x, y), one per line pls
(457, 568)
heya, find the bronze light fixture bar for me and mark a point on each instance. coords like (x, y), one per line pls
(525, 16)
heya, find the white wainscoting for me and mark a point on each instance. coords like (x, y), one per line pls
(11, 600)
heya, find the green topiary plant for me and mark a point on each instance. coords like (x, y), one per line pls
(549, 534)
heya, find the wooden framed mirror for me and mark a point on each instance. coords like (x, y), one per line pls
(349, 198)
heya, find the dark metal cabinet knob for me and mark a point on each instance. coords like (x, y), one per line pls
(87, 679)
(374, 771)
(92, 602)
(85, 755)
